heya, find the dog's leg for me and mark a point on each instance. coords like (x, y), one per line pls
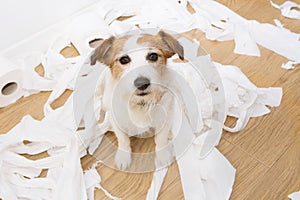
(164, 150)
(123, 155)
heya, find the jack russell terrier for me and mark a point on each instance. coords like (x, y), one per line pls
(138, 65)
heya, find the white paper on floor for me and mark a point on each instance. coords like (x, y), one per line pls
(92, 182)
(295, 196)
(244, 100)
(290, 65)
(288, 9)
(157, 181)
(213, 176)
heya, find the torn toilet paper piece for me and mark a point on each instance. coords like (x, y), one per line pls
(92, 182)
(288, 9)
(157, 181)
(85, 28)
(295, 196)
(212, 177)
(287, 43)
(290, 65)
(278, 23)
(32, 82)
(243, 99)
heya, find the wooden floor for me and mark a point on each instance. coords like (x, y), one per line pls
(266, 154)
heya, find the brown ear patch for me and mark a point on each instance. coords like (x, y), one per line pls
(107, 50)
(103, 52)
(165, 42)
(171, 44)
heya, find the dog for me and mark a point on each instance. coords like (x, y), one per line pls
(138, 73)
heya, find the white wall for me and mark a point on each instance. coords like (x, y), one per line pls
(19, 19)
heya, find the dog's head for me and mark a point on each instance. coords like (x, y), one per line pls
(143, 59)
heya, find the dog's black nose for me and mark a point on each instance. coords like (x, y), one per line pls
(142, 83)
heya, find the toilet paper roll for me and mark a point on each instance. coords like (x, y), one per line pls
(11, 81)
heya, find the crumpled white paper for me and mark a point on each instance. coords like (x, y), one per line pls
(212, 177)
(243, 99)
(288, 9)
(92, 181)
(295, 196)
(289, 65)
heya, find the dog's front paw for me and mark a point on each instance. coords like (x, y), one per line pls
(122, 159)
(163, 158)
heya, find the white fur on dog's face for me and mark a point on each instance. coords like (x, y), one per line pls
(140, 66)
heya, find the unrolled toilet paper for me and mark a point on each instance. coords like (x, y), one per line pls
(11, 80)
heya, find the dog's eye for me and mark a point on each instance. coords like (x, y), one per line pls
(152, 56)
(124, 60)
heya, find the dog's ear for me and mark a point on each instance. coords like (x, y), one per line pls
(103, 53)
(171, 45)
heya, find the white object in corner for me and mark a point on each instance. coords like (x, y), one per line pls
(295, 196)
